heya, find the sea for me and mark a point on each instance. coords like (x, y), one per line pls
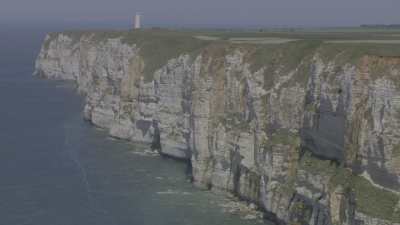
(57, 169)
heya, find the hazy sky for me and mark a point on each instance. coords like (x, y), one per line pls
(205, 12)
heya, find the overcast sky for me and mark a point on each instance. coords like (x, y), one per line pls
(205, 12)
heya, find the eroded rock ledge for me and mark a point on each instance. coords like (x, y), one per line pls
(308, 131)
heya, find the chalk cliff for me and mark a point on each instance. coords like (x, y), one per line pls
(309, 131)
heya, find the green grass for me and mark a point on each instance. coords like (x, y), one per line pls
(374, 201)
(284, 137)
(311, 107)
(370, 199)
(156, 47)
(159, 46)
(346, 33)
(337, 174)
(314, 165)
(287, 188)
(289, 54)
(352, 52)
(341, 177)
(286, 57)
(280, 137)
(396, 151)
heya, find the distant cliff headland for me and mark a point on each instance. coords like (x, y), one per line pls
(305, 125)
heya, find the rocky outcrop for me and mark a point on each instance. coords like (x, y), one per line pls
(308, 131)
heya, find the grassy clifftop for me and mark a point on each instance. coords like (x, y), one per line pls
(276, 49)
(156, 46)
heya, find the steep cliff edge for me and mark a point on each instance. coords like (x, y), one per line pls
(310, 131)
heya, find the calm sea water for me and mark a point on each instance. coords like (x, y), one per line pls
(55, 169)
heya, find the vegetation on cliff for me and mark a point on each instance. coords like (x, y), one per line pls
(375, 201)
(155, 46)
(369, 199)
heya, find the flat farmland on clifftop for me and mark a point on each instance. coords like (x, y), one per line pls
(278, 36)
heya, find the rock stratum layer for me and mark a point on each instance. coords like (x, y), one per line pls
(309, 131)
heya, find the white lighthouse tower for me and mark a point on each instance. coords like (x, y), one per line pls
(137, 22)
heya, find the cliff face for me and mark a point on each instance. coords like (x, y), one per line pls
(308, 131)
